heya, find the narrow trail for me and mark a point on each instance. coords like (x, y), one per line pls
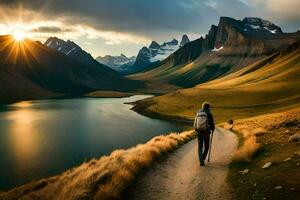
(180, 176)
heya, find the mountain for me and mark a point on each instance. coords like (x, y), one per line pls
(30, 70)
(271, 84)
(152, 55)
(117, 63)
(228, 47)
(184, 40)
(70, 49)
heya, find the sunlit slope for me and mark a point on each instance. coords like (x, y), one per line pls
(208, 66)
(226, 48)
(268, 85)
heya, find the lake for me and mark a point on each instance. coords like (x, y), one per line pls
(45, 137)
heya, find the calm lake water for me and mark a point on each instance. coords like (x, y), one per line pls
(45, 137)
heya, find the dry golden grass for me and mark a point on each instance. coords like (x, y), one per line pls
(250, 128)
(248, 149)
(105, 178)
(267, 86)
(270, 133)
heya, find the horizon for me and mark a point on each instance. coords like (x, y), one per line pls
(101, 29)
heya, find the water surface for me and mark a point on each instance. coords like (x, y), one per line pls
(45, 137)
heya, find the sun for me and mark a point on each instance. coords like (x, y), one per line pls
(19, 34)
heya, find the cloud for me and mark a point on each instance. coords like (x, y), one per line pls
(51, 29)
(153, 18)
(124, 22)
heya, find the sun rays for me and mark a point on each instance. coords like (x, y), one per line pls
(19, 35)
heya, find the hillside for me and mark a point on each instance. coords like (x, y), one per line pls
(268, 85)
(272, 133)
(31, 70)
(228, 47)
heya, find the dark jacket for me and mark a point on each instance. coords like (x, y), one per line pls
(210, 119)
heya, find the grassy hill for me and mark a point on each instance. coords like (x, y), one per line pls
(268, 85)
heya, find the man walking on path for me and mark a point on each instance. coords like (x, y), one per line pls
(204, 126)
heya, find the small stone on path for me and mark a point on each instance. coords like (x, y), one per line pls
(268, 164)
(278, 187)
(245, 171)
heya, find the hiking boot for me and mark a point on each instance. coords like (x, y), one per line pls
(202, 163)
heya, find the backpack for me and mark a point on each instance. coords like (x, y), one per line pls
(201, 122)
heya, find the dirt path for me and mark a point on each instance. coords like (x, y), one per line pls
(180, 176)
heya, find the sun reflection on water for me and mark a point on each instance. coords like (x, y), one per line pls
(24, 136)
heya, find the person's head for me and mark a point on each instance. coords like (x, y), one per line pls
(206, 105)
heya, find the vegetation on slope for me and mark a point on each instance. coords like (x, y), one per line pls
(105, 178)
(268, 85)
(280, 180)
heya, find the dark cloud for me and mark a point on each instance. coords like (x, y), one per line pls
(51, 29)
(143, 17)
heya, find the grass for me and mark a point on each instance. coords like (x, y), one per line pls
(271, 133)
(104, 178)
(266, 86)
(108, 94)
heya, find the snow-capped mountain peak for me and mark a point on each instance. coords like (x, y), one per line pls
(115, 62)
(258, 25)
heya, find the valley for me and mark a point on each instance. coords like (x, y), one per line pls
(247, 69)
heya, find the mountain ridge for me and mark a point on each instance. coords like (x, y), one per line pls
(50, 73)
(225, 49)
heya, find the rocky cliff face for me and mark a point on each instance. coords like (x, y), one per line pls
(250, 36)
(149, 56)
(184, 40)
(226, 48)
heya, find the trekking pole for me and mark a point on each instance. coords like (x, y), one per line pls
(210, 146)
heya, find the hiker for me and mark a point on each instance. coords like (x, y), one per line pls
(204, 126)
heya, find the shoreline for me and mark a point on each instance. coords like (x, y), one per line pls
(85, 97)
(139, 108)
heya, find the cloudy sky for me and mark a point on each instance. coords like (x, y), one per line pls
(123, 26)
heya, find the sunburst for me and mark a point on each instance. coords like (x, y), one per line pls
(19, 35)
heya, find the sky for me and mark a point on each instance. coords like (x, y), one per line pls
(103, 27)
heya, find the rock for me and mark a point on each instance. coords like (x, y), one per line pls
(245, 171)
(230, 121)
(293, 189)
(254, 184)
(294, 138)
(278, 187)
(287, 159)
(267, 165)
(298, 164)
(297, 153)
